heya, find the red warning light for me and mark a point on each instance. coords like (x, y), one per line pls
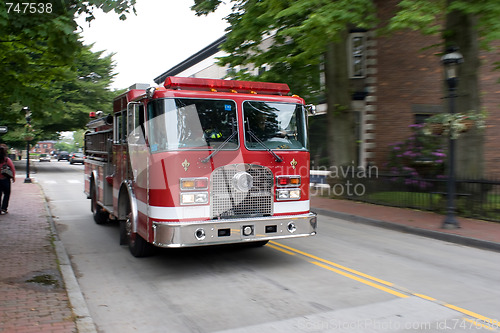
(190, 83)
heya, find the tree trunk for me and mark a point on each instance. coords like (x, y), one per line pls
(341, 122)
(460, 31)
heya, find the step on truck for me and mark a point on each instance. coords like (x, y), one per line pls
(201, 162)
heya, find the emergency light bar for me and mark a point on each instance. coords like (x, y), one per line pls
(190, 83)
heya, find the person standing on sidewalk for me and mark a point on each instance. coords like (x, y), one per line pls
(5, 180)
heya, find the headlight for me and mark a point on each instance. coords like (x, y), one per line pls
(283, 194)
(288, 194)
(294, 194)
(199, 198)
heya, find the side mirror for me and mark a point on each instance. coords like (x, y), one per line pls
(150, 92)
(311, 109)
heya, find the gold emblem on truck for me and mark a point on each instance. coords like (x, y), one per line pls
(293, 163)
(186, 165)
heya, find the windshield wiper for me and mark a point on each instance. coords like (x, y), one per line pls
(222, 145)
(206, 159)
(276, 157)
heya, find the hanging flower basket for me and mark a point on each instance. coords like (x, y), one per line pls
(436, 128)
(454, 124)
(468, 124)
(29, 132)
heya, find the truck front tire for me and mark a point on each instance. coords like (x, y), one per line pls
(137, 245)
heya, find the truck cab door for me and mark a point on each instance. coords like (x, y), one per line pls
(137, 157)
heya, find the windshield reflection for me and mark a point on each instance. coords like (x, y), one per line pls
(276, 125)
(184, 123)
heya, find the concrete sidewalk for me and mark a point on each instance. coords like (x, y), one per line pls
(476, 233)
(38, 289)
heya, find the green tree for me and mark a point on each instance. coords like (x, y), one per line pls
(84, 90)
(63, 146)
(66, 103)
(46, 67)
(79, 138)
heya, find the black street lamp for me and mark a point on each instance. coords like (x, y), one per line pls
(27, 111)
(450, 61)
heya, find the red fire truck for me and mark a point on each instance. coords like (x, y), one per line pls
(200, 162)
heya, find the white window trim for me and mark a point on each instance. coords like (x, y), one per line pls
(350, 54)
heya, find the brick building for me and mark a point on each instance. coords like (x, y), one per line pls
(406, 85)
(43, 147)
(397, 81)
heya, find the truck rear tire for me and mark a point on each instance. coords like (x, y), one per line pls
(100, 215)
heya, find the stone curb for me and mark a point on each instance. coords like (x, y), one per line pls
(83, 320)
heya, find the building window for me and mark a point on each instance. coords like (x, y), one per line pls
(421, 118)
(357, 55)
(261, 70)
(232, 71)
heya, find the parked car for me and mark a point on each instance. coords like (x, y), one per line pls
(76, 158)
(64, 155)
(44, 158)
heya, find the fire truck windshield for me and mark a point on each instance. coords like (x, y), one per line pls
(185, 123)
(277, 125)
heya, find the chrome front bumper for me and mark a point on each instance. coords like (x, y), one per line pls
(198, 233)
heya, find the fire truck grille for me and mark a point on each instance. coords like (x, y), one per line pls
(232, 197)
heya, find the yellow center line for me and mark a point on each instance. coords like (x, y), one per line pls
(425, 297)
(280, 249)
(484, 319)
(334, 264)
(488, 322)
(475, 323)
(367, 282)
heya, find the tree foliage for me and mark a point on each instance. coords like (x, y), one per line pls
(45, 66)
(300, 32)
(302, 29)
(429, 16)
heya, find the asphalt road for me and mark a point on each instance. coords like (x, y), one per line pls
(348, 278)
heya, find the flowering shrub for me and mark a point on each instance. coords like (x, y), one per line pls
(418, 156)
